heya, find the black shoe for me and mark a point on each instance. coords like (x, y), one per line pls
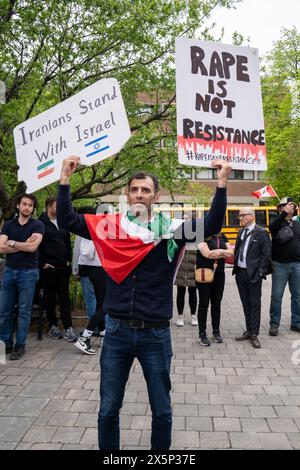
(295, 328)
(243, 337)
(17, 353)
(218, 337)
(255, 342)
(273, 331)
(203, 340)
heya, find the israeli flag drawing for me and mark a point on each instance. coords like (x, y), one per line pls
(96, 146)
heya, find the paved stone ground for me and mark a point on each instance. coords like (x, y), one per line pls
(226, 396)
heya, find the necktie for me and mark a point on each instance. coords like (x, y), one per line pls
(242, 246)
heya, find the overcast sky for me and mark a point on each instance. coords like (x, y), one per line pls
(261, 20)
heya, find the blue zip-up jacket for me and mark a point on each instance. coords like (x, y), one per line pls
(146, 293)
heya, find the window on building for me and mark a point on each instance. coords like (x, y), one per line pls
(238, 174)
(248, 175)
(204, 174)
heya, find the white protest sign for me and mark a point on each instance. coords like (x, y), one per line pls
(219, 105)
(91, 124)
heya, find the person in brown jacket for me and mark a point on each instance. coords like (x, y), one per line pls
(186, 279)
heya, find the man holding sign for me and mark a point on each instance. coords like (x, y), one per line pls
(139, 251)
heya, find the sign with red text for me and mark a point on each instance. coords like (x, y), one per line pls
(92, 125)
(219, 105)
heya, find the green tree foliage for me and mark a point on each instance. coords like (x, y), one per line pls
(281, 99)
(51, 50)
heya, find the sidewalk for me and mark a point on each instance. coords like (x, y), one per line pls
(224, 396)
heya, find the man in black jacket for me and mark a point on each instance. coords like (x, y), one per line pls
(139, 306)
(55, 261)
(286, 261)
(252, 256)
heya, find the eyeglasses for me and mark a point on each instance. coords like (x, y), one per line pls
(240, 216)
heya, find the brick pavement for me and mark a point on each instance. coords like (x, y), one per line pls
(226, 396)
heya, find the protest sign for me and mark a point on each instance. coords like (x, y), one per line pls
(219, 105)
(91, 124)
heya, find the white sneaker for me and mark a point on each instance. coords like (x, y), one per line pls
(194, 320)
(84, 345)
(180, 320)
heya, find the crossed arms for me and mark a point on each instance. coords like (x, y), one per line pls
(30, 246)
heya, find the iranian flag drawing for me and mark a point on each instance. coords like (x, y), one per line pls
(219, 105)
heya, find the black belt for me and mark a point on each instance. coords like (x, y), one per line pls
(143, 325)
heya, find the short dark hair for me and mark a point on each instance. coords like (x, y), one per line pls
(27, 196)
(49, 201)
(142, 175)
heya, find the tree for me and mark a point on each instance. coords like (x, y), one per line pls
(281, 99)
(49, 51)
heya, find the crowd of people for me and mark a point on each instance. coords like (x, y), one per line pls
(129, 293)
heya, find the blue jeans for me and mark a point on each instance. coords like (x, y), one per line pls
(152, 347)
(285, 273)
(89, 296)
(18, 286)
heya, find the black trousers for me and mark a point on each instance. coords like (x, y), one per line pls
(213, 293)
(192, 299)
(56, 286)
(250, 294)
(97, 277)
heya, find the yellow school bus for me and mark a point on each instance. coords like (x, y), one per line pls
(263, 216)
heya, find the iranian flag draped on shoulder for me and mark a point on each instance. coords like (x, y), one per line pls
(122, 240)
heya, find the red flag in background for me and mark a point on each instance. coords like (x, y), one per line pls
(266, 191)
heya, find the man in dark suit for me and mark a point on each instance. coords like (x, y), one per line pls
(252, 257)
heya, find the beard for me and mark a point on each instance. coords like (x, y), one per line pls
(25, 214)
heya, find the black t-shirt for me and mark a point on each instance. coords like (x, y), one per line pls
(15, 231)
(203, 262)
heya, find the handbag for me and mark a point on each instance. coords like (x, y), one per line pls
(205, 275)
(284, 235)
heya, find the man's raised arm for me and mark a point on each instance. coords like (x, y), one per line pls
(194, 230)
(66, 217)
(214, 220)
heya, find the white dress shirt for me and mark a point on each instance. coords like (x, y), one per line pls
(243, 264)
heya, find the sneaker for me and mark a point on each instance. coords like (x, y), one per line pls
(70, 335)
(17, 353)
(273, 331)
(194, 320)
(55, 332)
(180, 320)
(84, 344)
(203, 340)
(295, 328)
(218, 337)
